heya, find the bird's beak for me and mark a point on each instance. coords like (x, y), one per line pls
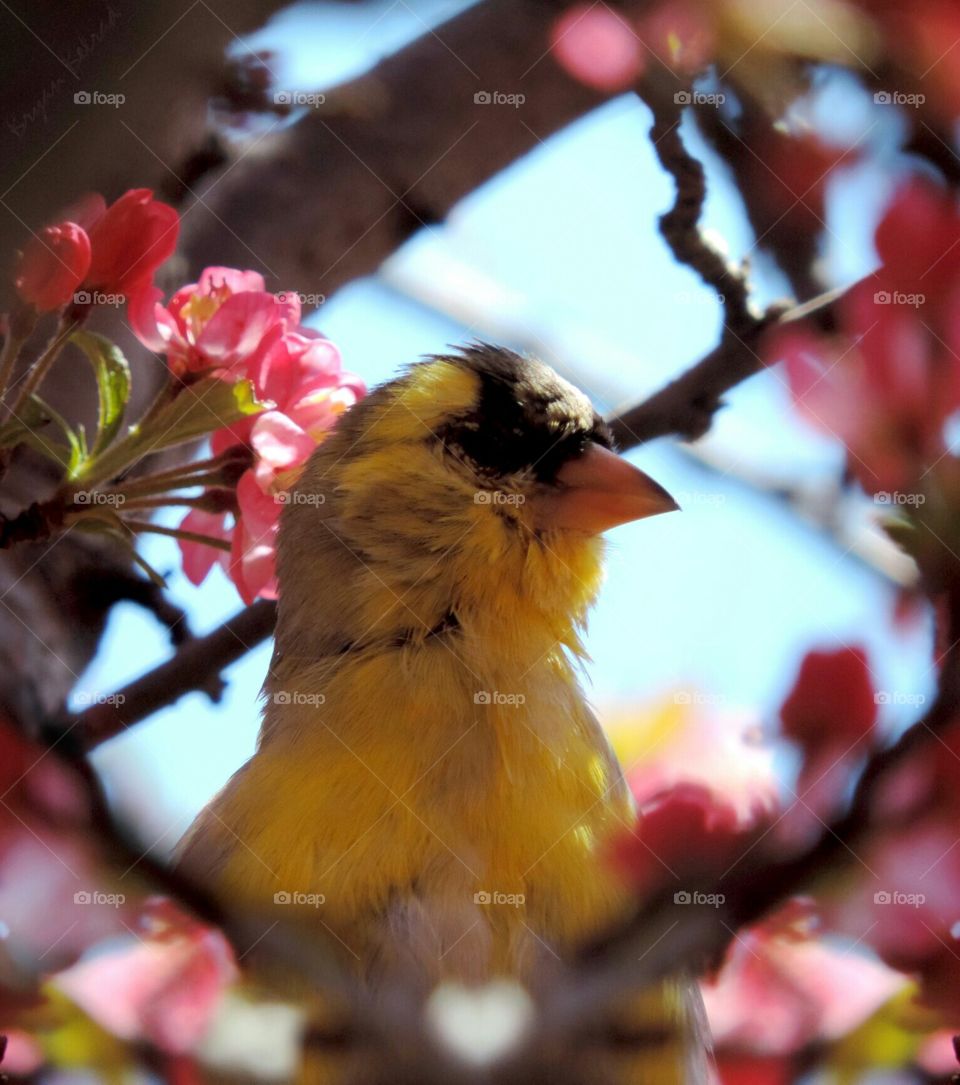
(598, 490)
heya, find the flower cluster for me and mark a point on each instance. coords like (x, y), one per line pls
(887, 383)
(855, 958)
(228, 325)
(95, 248)
(243, 371)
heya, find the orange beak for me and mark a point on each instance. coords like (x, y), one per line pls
(597, 491)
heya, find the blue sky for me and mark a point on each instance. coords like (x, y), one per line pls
(562, 251)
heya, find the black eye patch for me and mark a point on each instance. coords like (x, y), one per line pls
(526, 420)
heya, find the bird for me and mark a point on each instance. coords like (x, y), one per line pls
(430, 785)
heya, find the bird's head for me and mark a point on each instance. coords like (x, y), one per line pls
(469, 493)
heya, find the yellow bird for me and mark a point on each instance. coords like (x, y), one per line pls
(430, 785)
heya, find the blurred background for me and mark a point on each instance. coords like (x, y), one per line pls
(551, 245)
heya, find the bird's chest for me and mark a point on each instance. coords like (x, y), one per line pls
(515, 811)
(486, 803)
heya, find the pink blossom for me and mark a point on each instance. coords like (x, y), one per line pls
(809, 991)
(161, 987)
(129, 240)
(53, 265)
(887, 385)
(217, 324)
(598, 47)
(295, 372)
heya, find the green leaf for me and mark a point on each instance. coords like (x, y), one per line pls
(113, 384)
(199, 409)
(71, 455)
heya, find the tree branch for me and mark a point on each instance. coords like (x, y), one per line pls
(196, 666)
(391, 152)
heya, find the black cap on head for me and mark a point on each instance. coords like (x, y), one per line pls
(527, 418)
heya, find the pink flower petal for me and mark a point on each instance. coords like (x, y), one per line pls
(252, 566)
(236, 282)
(279, 441)
(237, 327)
(598, 47)
(144, 312)
(260, 511)
(198, 558)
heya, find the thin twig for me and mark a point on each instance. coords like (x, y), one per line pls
(196, 666)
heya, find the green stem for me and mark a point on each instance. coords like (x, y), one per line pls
(196, 473)
(125, 453)
(42, 365)
(177, 533)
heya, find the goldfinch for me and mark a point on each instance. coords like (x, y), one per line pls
(430, 784)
